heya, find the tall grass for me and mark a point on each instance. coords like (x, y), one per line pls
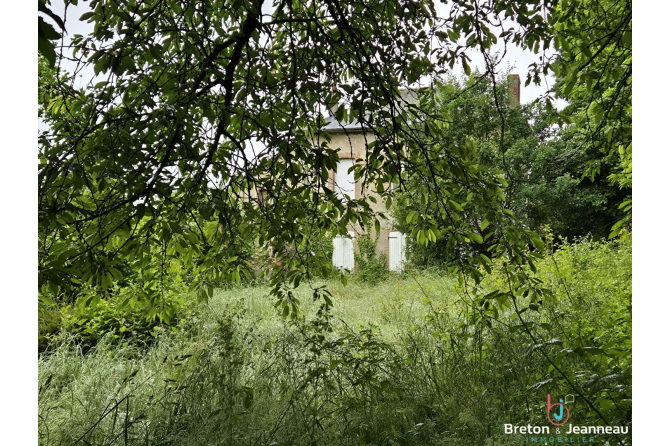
(393, 364)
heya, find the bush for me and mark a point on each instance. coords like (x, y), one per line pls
(121, 319)
(370, 267)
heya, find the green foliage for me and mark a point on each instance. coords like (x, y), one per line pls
(122, 321)
(149, 166)
(397, 363)
(46, 33)
(370, 267)
(46, 86)
(548, 186)
(49, 322)
(463, 132)
(161, 172)
(320, 254)
(594, 71)
(543, 165)
(146, 186)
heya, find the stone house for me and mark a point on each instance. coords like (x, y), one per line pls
(350, 139)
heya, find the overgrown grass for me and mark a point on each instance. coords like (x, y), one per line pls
(397, 363)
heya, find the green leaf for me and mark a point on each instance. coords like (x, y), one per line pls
(411, 217)
(87, 15)
(476, 237)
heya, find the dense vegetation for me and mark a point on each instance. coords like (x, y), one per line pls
(401, 365)
(151, 162)
(543, 159)
(186, 215)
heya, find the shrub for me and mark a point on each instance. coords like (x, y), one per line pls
(123, 320)
(370, 267)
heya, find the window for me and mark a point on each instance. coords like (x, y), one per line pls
(345, 186)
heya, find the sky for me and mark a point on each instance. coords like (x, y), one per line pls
(516, 58)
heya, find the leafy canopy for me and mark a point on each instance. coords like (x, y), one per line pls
(202, 132)
(543, 164)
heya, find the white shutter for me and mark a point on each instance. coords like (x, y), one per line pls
(344, 180)
(343, 252)
(396, 251)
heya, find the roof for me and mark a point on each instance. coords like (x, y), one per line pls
(333, 125)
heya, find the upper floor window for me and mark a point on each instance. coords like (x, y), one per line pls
(344, 179)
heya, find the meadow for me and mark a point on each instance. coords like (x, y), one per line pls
(399, 362)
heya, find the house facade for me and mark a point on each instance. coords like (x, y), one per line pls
(350, 140)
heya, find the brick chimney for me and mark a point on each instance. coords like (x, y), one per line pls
(514, 90)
